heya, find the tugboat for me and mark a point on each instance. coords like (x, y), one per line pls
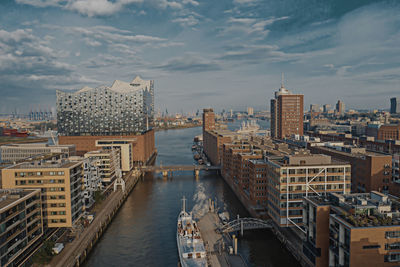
(190, 244)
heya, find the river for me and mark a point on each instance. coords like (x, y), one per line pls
(143, 233)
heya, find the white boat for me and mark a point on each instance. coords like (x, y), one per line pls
(190, 244)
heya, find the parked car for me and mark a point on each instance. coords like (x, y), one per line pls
(58, 247)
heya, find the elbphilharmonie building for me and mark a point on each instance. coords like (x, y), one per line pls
(122, 109)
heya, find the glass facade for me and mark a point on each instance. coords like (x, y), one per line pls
(122, 109)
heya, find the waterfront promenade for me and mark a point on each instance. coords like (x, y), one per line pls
(217, 243)
(76, 252)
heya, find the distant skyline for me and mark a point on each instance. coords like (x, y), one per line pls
(205, 53)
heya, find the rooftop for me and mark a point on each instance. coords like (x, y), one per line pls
(304, 159)
(45, 162)
(362, 209)
(8, 196)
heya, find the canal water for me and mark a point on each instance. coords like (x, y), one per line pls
(143, 233)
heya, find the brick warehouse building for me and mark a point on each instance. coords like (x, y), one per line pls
(370, 170)
(143, 147)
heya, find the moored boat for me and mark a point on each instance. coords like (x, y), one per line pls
(190, 244)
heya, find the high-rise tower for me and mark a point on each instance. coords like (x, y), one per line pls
(287, 111)
(208, 119)
(395, 105)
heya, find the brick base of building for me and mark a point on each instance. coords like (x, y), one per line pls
(143, 147)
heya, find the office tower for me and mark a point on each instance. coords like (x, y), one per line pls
(21, 224)
(314, 108)
(61, 184)
(395, 105)
(208, 119)
(327, 107)
(286, 113)
(340, 107)
(250, 111)
(122, 109)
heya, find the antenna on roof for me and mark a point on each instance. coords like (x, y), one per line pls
(282, 82)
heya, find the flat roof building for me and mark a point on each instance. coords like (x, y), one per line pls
(125, 148)
(61, 185)
(361, 229)
(20, 224)
(370, 171)
(17, 152)
(107, 161)
(296, 176)
(287, 111)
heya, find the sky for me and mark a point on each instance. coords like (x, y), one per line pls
(225, 54)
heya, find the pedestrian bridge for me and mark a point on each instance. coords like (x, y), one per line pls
(171, 168)
(168, 170)
(241, 224)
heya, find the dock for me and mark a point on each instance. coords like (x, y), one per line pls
(217, 244)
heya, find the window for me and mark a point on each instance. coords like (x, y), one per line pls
(371, 247)
(393, 257)
(392, 246)
(392, 234)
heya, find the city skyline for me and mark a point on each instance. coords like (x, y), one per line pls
(224, 53)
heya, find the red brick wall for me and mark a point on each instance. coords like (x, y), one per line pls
(143, 148)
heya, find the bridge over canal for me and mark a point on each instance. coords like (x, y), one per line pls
(167, 169)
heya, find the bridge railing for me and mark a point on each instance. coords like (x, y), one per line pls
(244, 224)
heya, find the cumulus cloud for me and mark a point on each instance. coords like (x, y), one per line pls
(105, 7)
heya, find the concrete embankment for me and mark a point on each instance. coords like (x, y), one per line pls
(75, 253)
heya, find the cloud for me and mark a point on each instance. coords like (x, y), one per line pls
(188, 21)
(255, 27)
(92, 8)
(190, 63)
(245, 2)
(98, 7)
(40, 3)
(256, 54)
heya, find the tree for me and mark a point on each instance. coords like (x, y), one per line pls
(44, 254)
(98, 196)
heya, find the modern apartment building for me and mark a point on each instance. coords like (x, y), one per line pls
(18, 152)
(91, 179)
(287, 111)
(370, 171)
(360, 229)
(125, 148)
(61, 185)
(395, 105)
(122, 109)
(296, 176)
(20, 224)
(107, 162)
